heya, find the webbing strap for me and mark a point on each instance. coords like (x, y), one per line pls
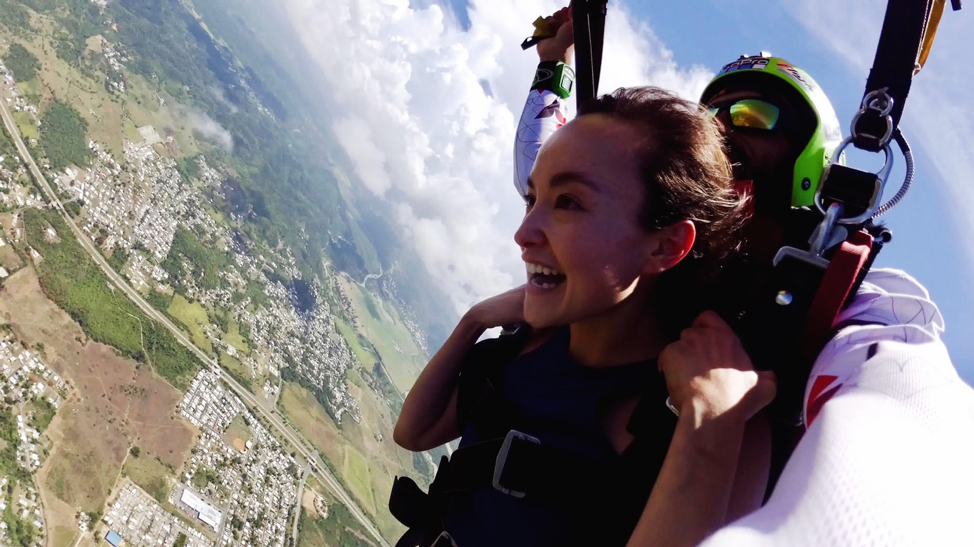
(897, 55)
(837, 284)
(588, 18)
(537, 470)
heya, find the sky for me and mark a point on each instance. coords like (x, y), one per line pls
(429, 93)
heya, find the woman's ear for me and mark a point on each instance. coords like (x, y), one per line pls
(669, 246)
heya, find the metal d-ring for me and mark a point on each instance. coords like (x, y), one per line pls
(881, 103)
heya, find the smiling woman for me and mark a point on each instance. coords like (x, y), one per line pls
(632, 198)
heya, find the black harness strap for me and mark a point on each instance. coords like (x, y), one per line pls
(521, 466)
(894, 66)
(588, 18)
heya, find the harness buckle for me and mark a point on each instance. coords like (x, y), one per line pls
(501, 461)
(444, 540)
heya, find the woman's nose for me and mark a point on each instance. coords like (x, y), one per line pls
(530, 233)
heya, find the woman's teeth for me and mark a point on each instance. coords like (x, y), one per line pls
(543, 276)
(539, 269)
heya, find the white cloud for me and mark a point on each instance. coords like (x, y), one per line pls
(208, 128)
(938, 117)
(421, 131)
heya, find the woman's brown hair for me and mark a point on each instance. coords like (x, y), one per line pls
(687, 176)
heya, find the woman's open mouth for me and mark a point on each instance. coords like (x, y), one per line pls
(544, 277)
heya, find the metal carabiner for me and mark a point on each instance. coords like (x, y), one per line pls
(822, 235)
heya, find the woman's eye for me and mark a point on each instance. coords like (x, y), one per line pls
(565, 201)
(528, 200)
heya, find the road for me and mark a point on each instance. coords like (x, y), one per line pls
(285, 431)
(297, 508)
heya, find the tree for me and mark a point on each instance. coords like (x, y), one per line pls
(21, 62)
(135, 451)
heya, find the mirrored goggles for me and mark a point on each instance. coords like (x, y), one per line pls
(752, 113)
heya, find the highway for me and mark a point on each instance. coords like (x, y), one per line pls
(285, 431)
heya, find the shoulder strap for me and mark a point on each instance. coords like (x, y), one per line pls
(588, 18)
(482, 367)
(907, 34)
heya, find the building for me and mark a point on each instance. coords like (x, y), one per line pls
(113, 538)
(205, 512)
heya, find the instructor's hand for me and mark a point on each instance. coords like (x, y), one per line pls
(708, 371)
(561, 48)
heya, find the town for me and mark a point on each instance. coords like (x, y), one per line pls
(32, 393)
(239, 485)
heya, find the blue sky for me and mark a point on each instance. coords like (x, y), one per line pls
(436, 142)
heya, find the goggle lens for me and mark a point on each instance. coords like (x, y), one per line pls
(753, 113)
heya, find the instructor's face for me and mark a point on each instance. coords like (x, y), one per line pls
(766, 157)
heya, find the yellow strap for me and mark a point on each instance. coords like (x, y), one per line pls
(936, 12)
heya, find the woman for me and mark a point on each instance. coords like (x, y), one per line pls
(629, 205)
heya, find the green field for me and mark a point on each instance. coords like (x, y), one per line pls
(235, 339)
(149, 473)
(357, 473)
(25, 123)
(194, 317)
(74, 282)
(236, 430)
(362, 355)
(383, 327)
(237, 370)
(43, 413)
(339, 529)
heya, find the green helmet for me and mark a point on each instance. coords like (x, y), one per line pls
(826, 135)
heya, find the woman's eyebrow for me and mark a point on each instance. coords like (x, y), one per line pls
(567, 177)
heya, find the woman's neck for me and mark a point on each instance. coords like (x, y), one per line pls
(628, 333)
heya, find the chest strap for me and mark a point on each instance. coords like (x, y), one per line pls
(519, 465)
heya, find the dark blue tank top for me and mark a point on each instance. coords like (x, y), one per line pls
(564, 401)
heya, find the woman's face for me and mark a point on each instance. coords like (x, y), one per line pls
(580, 238)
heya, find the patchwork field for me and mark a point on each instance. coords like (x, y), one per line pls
(194, 317)
(383, 327)
(363, 452)
(113, 406)
(356, 470)
(110, 118)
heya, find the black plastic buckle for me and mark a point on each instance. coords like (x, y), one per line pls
(444, 540)
(857, 190)
(501, 460)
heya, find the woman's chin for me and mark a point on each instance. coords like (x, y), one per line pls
(544, 318)
(539, 320)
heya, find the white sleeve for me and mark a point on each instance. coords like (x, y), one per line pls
(543, 113)
(887, 457)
